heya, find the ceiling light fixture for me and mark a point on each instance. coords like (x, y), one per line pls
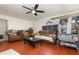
(33, 11)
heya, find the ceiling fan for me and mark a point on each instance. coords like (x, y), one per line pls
(33, 10)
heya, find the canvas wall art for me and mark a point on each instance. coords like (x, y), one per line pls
(63, 21)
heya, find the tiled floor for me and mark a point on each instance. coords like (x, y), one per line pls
(44, 49)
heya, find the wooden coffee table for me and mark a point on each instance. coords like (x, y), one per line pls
(31, 42)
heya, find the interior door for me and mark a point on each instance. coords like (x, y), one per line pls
(3, 28)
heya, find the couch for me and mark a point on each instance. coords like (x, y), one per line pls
(46, 36)
(69, 40)
(14, 35)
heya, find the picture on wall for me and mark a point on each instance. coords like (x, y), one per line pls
(75, 25)
(75, 19)
(63, 29)
(75, 28)
(63, 25)
(49, 23)
(63, 21)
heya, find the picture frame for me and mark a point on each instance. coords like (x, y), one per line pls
(63, 20)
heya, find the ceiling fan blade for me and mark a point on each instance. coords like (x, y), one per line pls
(28, 12)
(26, 7)
(36, 6)
(35, 14)
(40, 11)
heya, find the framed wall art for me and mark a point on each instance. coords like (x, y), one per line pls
(75, 25)
(63, 21)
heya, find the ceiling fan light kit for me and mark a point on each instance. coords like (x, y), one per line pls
(33, 10)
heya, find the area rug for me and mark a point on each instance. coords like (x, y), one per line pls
(9, 52)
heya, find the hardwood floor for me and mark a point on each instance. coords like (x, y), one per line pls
(44, 49)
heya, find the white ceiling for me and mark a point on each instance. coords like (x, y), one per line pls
(16, 10)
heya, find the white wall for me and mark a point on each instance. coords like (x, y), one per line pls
(69, 26)
(37, 25)
(16, 23)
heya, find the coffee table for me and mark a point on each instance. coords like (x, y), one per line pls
(32, 42)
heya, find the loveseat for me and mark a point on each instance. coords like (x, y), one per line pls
(14, 35)
(69, 40)
(46, 36)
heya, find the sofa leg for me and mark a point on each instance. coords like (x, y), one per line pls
(78, 52)
(33, 45)
(9, 41)
(77, 44)
(24, 42)
(58, 42)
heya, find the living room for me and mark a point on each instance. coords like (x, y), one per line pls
(50, 31)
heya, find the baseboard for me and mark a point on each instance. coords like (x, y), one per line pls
(4, 41)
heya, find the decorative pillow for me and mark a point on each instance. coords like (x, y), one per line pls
(50, 35)
(37, 33)
(26, 33)
(11, 34)
(44, 33)
(14, 34)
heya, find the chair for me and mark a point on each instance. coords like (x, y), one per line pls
(70, 40)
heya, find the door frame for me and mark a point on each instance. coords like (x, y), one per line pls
(6, 26)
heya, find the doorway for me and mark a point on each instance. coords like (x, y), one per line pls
(3, 29)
